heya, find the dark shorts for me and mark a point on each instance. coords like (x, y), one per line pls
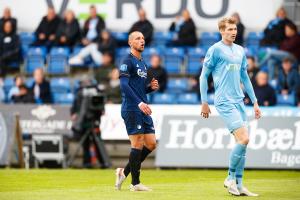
(137, 122)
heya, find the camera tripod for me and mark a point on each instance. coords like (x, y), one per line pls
(94, 134)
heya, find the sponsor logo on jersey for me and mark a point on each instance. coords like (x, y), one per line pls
(233, 67)
(142, 73)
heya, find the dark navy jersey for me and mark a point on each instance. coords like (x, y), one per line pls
(136, 71)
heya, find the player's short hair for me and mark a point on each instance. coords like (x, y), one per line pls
(226, 20)
(130, 37)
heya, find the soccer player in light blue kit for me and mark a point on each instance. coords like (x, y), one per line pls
(228, 64)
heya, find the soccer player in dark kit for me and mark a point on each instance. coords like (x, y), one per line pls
(136, 112)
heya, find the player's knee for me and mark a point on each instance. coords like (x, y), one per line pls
(137, 142)
(245, 140)
(151, 146)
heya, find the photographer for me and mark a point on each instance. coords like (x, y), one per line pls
(87, 108)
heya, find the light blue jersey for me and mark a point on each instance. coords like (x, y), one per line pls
(228, 65)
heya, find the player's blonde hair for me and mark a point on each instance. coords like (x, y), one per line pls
(226, 20)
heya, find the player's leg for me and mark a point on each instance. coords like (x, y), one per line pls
(149, 146)
(135, 164)
(137, 142)
(242, 137)
(149, 139)
(234, 123)
(133, 122)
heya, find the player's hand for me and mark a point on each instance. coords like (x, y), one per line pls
(256, 111)
(205, 110)
(154, 84)
(145, 108)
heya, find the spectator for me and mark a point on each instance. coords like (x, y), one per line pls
(185, 30)
(18, 80)
(102, 73)
(9, 47)
(24, 95)
(289, 48)
(240, 29)
(106, 44)
(8, 18)
(265, 94)
(92, 28)
(252, 69)
(112, 90)
(291, 43)
(41, 87)
(274, 32)
(45, 32)
(158, 72)
(144, 26)
(68, 32)
(288, 78)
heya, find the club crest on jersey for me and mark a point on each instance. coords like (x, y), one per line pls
(137, 66)
(123, 67)
(141, 73)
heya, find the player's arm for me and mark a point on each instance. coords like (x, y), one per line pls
(203, 91)
(249, 89)
(125, 70)
(124, 84)
(208, 65)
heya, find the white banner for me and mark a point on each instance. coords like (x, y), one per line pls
(120, 14)
(113, 128)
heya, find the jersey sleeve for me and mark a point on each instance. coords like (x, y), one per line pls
(244, 64)
(210, 58)
(125, 68)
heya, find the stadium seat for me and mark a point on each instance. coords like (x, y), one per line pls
(162, 38)
(35, 58)
(286, 100)
(148, 52)
(253, 38)
(177, 85)
(29, 82)
(8, 84)
(273, 83)
(173, 59)
(26, 39)
(58, 60)
(194, 56)
(63, 98)
(121, 38)
(60, 85)
(209, 38)
(164, 98)
(187, 98)
(121, 54)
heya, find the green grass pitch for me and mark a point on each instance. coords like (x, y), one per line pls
(74, 184)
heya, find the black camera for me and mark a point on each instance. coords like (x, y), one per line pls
(92, 103)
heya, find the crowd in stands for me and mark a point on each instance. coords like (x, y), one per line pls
(60, 44)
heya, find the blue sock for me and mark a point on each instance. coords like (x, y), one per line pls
(236, 154)
(240, 171)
